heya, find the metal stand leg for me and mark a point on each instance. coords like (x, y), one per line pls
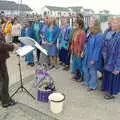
(21, 81)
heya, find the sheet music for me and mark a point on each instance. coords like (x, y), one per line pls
(30, 41)
(27, 40)
(41, 48)
(24, 50)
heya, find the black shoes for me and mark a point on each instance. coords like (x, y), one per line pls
(51, 67)
(109, 97)
(10, 103)
(31, 64)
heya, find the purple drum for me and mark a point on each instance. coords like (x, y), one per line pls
(42, 95)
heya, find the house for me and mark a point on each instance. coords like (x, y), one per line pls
(88, 11)
(54, 11)
(75, 10)
(64, 11)
(11, 8)
(106, 12)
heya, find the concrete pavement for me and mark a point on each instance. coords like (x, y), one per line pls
(79, 104)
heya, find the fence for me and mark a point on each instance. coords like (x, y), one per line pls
(101, 17)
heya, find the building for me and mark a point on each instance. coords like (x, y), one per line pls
(64, 11)
(11, 8)
(54, 11)
(105, 12)
(75, 10)
(60, 11)
(88, 12)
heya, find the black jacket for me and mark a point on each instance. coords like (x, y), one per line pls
(4, 48)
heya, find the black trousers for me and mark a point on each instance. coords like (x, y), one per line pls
(15, 39)
(4, 83)
(39, 52)
(38, 55)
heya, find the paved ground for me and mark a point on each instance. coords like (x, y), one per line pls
(79, 104)
(13, 69)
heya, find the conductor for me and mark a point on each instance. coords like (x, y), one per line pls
(4, 78)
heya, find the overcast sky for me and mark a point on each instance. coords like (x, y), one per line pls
(96, 5)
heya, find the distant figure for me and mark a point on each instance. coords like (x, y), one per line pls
(7, 29)
(16, 30)
(44, 58)
(64, 40)
(27, 32)
(51, 34)
(36, 27)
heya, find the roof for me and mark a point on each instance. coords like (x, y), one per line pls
(105, 11)
(7, 5)
(24, 7)
(76, 9)
(10, 5)
(89, 10)
(54, 8)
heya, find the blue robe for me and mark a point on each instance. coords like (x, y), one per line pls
(111, 54)
(51, 36)
(92, 53)
(111, 51)
(43, 30)
(64, 37)
(93, 50)
(36, 27)
(28, 32)
(64, 40)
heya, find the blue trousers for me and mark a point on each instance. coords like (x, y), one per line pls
(90, 76)
(76, 63)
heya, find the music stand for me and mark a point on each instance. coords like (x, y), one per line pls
(21, 52)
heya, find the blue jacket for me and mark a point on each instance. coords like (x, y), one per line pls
(64, 37)
(36, 27)
(93, 51)
(52, 35)
(111, 51)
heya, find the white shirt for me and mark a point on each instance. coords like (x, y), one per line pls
(16, 29)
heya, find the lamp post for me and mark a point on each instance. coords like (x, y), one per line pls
(21, 7)
(21, 12)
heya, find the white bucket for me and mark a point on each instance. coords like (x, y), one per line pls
(56, 102)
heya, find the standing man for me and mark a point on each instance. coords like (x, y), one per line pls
(4, 79)
(36, 27)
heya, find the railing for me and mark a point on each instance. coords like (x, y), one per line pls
(101, 17)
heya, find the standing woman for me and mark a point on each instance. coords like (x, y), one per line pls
(111, 54)
(77, 46)
(16, 30)
(92, 55)
(44, 27)
(64, 40)
(7, 29)
(27, 32)
(52, 33)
